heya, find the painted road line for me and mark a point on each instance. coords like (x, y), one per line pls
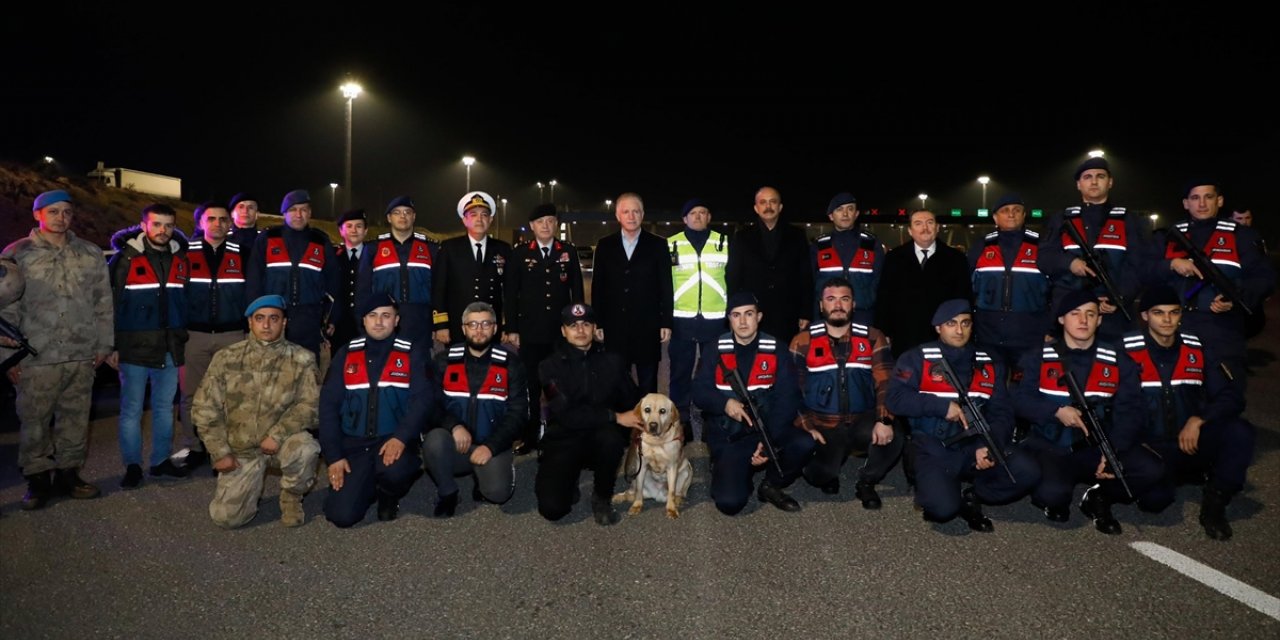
(1217, 580)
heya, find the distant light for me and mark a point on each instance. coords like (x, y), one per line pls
(504, 202)
(608, 203)
(923, 196)
(1097, 153)
(1154, 218)
(333, 185)
(984, 180)
(351, 90)
(539, 184)
(468, 160)
(552, 183)
(955, 213)
(983, 213)
(48, 159)
(1037, 213)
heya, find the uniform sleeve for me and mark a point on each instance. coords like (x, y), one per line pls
(364, 277)
(1223, 400)
(566, 412)
(440, 291)
(98, 286)
(1028, 402)
(904, 397)
(705, 394)
(254, 278)
(208, 411)
(1129, 409)
(576, 286)
(999, 409)
(785, 401)
(422, 398)
(1141, 258)
(331, 396)
(666, 291)
(1259, 279)
(516, 270)
(1051, 258)
(602, 285)
(302, 413)
(332, 273)
(516, 413)
(446, 420)
(733, 272)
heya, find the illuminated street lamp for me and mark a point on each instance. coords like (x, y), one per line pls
(48, 159)
(468, 161)
(541, 193)
(1154, 220)
(350, 91)
(608, 204)
(333, 199)
(504, 211)
(1097, 153)
(923, 197)
(553, 191)
(984, 181)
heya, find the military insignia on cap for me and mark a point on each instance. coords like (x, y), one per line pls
(578, 311)
(476, 200)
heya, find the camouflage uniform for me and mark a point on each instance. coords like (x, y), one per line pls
(66, 315)
(253, 390)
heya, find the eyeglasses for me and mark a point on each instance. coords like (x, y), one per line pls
(480, 324)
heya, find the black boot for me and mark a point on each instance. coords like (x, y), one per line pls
(388, 507)
(39, 488)
(446, 506)
(776, 497)
(866, 492)
(67, 482)
(1213, 513)
(602, 509)
(1097, 506)
(971, 511)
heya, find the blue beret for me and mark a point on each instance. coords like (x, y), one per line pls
(50, 197)
(691, 204)
(742, 299)
(841, 199)
(375, 300)
(1092, 163)
(354, 214)
(1159, 295)
(1072, 300)
(272, 300)
(1008, 199)
(400, 201)
(293, 198)
(575, 312)
(950, 309)
(240, 197)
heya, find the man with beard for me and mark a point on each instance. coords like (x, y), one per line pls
(843, 368)
(771, 260)
(850, 253)
(400, 263)
(149, 274)
(918, 276)
(485, 406)
(371, 443)
(922, 394)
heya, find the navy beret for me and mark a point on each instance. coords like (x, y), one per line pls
(541, 211)
(354, 214)
(375, 300)
(577, 311)
(241, 197)
(1201, 181)
(400, 201)
(1008, 199)
(1092, 163)
(272, 300)
(1159, 295)
(50, 197)
(294, 198)
(742, 299)
(1072, 300)
(950, 309)
(691, 205)
(841, 199)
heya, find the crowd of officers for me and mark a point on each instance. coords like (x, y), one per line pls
(1096, 354)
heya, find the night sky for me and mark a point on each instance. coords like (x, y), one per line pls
(669, 104)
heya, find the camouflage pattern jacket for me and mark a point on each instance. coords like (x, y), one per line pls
(66, 312)
(254, 389)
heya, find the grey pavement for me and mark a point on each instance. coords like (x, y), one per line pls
(149, 564)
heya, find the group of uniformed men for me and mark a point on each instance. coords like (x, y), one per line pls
(1029, 377)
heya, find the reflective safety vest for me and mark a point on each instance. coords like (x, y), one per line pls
(407, 280)
(300, 279)
(388, 404)
(698, 279)
(764, 370)
(216, 297)
(825, 382)
(982, 386)
(1099, 389)
(1222, 251)
(860, 270)
(483, 411)
(1169, 404)
(1020, 287)
(139, 305)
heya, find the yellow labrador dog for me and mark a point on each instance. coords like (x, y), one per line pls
(664, 473)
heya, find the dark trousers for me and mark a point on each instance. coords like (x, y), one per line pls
(561, 459)
(689, 336)
(368, 478)
(1226, 333)
(532, 354)
(496, 478)
(941, 470)
(1225, 451)
(305, 327)
(847, 437)
(646, 376)
(731, 469)
(1061, 470)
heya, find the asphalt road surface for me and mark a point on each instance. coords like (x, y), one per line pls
(149, 564)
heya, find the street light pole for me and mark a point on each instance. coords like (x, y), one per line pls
(333, 199)
(553, 191)
(540, 192)
(923, 197)
(983, 180)
(350, 91)
(468, 161)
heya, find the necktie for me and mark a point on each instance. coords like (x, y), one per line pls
(351, 254)
(924, 257)
(479, 254)
(546, 252)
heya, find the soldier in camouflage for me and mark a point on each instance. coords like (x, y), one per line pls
(66, 316)
(252, 410)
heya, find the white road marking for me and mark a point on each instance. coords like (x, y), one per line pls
(1210, 577)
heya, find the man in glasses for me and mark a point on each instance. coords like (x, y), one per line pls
(486, 402)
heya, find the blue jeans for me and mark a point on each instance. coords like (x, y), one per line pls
(133, 390)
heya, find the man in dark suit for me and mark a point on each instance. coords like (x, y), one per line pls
(771, 260)
(353, 226)
(471, 268)
(545, 278)
(631, 292)
(918, 276)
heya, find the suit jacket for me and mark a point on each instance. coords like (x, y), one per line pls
(909, 295)
(632, 297)
(784, 285)
(538, 289)
(457, 281)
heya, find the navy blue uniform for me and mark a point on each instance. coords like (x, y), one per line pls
(855, 255)
(1110, 383)
(301, 267)
(771, 380)
(1010, 294)
(921, 394)
(403, 270)
(375, 390)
